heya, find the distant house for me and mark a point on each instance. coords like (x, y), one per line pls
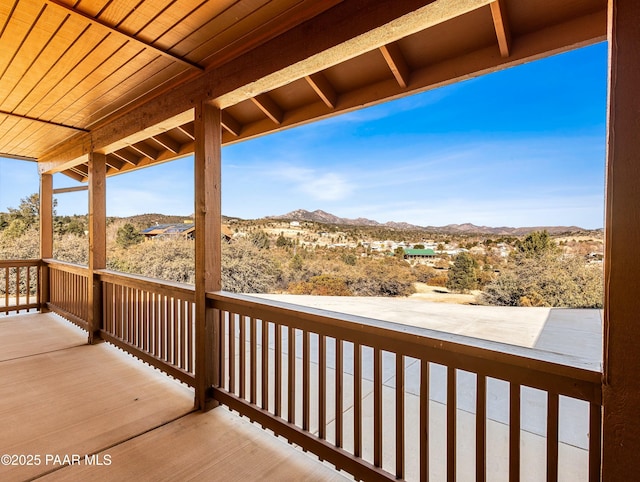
(180, 230)
(419, 254)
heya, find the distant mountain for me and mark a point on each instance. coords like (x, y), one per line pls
(319, 216)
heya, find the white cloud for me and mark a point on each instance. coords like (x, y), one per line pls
(318, 185)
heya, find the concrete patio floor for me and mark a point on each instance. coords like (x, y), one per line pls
(120, 418)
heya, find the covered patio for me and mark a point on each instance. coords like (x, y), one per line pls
(96, 88)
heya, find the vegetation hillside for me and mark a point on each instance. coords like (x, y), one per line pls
(310, 257)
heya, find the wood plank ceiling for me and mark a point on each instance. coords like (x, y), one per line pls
(68, 67)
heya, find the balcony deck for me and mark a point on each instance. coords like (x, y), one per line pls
(64, 397)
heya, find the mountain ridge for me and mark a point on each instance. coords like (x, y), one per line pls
(320, 216)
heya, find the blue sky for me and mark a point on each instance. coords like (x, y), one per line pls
(520, 147)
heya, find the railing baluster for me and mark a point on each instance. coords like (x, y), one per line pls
(265, 364)
(595, 437)
(154, 320)
(451, 423)
(118, 310)
(553, 403)
(165, 328)
(243, 354)
(28, 283)
(339, 391)
(514, 432)
(253, 365)
(291, 380)
(377, 407)
(7, 287)
(306, 389)
(176, 329)
(424, 420)
(190, 337)
(18, 289)
(357, 400)
(481, 427)
(232, 352)
(322, 386)
(278, 369)
(222, 366)
(127, 314)
(145, 320)
(399, 416)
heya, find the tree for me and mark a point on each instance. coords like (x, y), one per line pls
(535, 244)
(462, 274)
(547, 280)
(282, 242)
(128, 235)
(260, 240)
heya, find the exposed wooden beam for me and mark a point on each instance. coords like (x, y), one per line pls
(81, 169)
(128, 37)
(269, 107)
(397, 63)
(323, 88)
(277, 63)
(18, 158)
(74, 175)
(555, 39)
(356, 26)
(501, 26)
(188, 130)
(168, 142)
(145, 150)
(42, 121)
(62, 190)
(231, 124)
(304, 10)
(115, 162)
(127, 156)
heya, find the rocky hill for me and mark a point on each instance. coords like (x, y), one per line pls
(319, 216)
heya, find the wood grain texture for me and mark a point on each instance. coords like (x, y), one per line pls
(621, 390)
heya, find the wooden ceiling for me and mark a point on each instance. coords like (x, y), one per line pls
(122, 76)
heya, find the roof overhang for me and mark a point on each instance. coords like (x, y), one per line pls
(271, 68)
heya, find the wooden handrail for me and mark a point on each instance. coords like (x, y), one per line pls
(498, 360)
(67, 267)
(14, 263)
(169, 288)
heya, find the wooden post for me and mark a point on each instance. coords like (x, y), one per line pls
(208, 214)
(46, 236)
(97, 240)
(621, 390)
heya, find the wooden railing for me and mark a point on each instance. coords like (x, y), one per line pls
(19, 285)
(370, 398)
(378, 400)
(69, 291)
(151, 319)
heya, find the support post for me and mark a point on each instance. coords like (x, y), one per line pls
(621, 388)
(208, 215)
(97, 240)
(46, 236)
